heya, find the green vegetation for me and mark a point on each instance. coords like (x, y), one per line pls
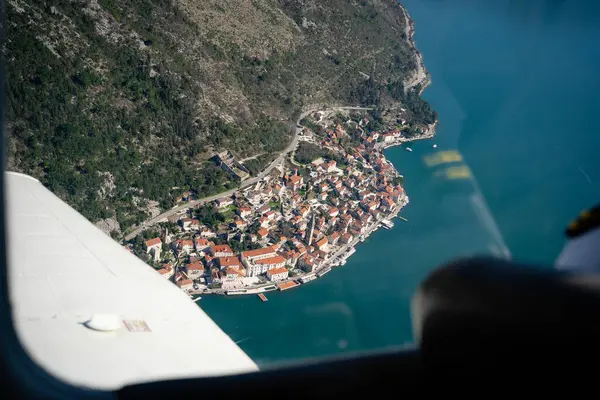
(226, 215)
(258, 164)
(308, 122)
(209, 216)
(308, 152)
(244, 245)
(114, 103)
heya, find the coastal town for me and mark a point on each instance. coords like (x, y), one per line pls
(293, 225)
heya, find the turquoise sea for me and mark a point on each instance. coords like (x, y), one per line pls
(517, 88)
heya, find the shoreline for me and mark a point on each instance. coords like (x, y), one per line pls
(422, 77)
(329, 264)
(335, 260)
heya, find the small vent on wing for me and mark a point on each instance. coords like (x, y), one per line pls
(104, 322)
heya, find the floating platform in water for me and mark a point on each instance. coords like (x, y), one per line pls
(262, 297)
(288, 285)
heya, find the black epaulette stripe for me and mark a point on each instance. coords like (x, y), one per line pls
(585, 222)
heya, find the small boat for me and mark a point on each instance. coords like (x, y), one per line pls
(434, 146)
(408, 149)
(263, 297)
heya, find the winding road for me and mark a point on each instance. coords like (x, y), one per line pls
(244, 184)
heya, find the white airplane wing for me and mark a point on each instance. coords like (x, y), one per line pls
(63, 270)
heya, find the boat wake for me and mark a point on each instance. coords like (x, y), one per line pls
(243, 340)
(587, 177)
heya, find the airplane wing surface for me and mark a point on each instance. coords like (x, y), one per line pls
(63, 270)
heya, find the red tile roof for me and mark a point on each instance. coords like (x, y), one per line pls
(202, 242)
(257, 252)
(271, 260)
(153, 242)
(184, 282)
(186, 243)
(263, 232)
(322, 242)
(234, 271)
(222, 248)
(287, 285)
(229, 261)
(275, 271)
(195, 266)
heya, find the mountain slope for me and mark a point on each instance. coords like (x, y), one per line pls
(117, 106)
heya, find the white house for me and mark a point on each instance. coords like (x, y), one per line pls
(261, 260)
(154, 246)
(229, 263)
(224, 202)
(201, 244)
(307, 263)
(195, 270)
(185, 223)
(244, 211)
(221, 250)
(258, 254)
(330, 166)
(207, 233)
(277, 274)
(333, 238)
(263, 265)
(184, 245)
(295, 182)
(185, 284)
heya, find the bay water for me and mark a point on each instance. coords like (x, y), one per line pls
(517, 88)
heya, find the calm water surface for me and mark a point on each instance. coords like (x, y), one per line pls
(517, 88)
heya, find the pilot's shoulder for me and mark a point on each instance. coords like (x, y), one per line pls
(585, 222)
